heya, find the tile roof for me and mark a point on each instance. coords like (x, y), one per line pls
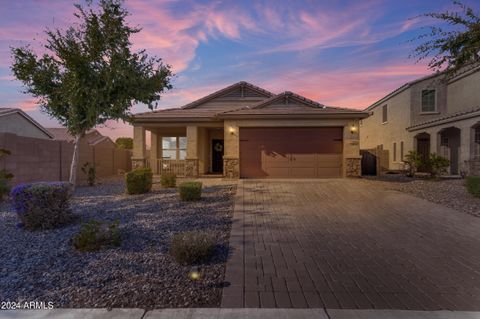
(447, 118)
(299, 106)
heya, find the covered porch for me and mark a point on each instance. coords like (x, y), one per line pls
(187, 150)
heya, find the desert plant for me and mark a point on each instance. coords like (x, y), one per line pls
(437, 165)
(91, 172)
(5, 176)
(42, 205)
(190, 191)
(192, 247)
(139, 181)
(473, 185)
(168, 180)
(413, 161)
(95, 235)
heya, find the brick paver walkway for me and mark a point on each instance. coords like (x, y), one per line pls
(346, 244)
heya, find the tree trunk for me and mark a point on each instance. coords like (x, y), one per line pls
(73, 166)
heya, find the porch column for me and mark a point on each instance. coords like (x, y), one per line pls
(154, 151)
(351, 150)
(138, 156)
(231, 155)
(191, 160)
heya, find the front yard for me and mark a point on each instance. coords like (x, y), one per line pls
(43, 266)
(450, 192)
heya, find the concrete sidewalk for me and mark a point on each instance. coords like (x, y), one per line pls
(224, 313)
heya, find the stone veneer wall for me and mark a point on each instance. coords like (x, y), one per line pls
(231, 167)
(191, 167)
(354, 167)
(475, 167)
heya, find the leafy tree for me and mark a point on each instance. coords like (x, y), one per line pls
(124, 142)
(89, 74)
(451, 48)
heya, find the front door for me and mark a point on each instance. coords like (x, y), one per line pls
(423, 149)
(217, 156)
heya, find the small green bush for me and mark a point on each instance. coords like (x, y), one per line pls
(139, 181)
(91, 172)
(190, 191)
(192, 247)
(95, 235)
(4, 186)
(473, 185)
(43, 205)
(437, 165)
(413, 161)
(168, 180)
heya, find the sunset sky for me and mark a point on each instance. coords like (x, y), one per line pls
(342, 53)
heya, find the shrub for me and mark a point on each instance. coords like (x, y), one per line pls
(190, 191)
(139, 181)
(5, 176)
(413, 161)
(473, 185)
(192, 247)
(168, 180)
(95, 235)
(43, 205)
(437, 165)
(91, 172)
(4, 184)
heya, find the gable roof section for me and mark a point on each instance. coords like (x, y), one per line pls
(240, 89)
(7, 111)
(290, 104)
(240, 92)
(62, 134)
(461, 74)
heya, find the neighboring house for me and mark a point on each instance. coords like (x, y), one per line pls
(428, 115)
(92, 137)
(18, 122)
(246, 131)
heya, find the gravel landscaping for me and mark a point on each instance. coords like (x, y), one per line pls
(450, 192)
(43, 266)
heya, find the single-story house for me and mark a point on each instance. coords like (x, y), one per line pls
(248, 132)
(16, 121)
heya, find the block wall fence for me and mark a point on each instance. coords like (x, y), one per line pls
(34, 159)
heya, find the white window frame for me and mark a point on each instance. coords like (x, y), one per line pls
(384, 113)
(177, 148)
(434, 104)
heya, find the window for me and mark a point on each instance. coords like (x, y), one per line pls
(401, 151)
(476, 145)
(444, 141)
(384, 114)
(174, 147)
(428, 101)
(394, 152)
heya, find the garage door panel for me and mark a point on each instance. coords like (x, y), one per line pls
(279, 172)
(303, 172)
(291, 152)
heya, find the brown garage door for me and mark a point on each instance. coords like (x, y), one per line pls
(291, 152)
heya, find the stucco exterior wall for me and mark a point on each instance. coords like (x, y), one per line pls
(374, 133)
(464, 94)
(17, 124)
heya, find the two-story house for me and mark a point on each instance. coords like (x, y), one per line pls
(428, 115)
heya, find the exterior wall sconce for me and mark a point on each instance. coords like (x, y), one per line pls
(353, 129)
(231, 130)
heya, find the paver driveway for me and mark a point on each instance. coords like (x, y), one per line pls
(347, 244)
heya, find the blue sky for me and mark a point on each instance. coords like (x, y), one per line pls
(343, 53)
